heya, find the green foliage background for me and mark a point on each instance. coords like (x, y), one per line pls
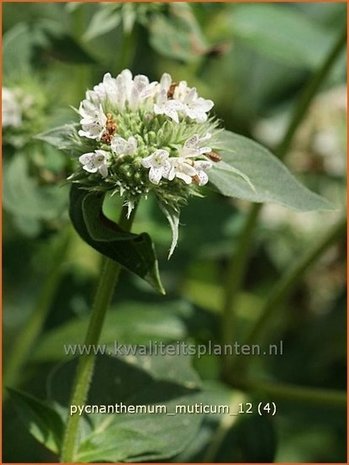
(252, 60)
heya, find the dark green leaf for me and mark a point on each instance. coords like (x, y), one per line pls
(42, 421)
(265, 179)
(135, 252)
(129, 323)
(136, 381)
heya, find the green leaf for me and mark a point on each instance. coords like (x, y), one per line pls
(41, 420)
(25, 198)
(271, 180)
(64, 138)
(135, 252)
(138, 381)
(102, 22)
(17, 50)
(282, 33)
(128, 323)
(178, 36)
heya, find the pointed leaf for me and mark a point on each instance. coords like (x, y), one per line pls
(270, 180)
(179, 35)
(165, 381)
(102, 22)
(42, 421)
(135, 252)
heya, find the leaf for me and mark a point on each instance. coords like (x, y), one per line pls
(135, 252)
(140, 381)
(282, 33)
(102, 22)
(17, 50)
(271, 179)
(63, 138)
(24, 197)
(128, 323)
(42, 421)
(179, 35)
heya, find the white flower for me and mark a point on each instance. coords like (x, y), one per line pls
(182, 169)
(191, 147)
(121, 146)
(93, 120)
(11, 109)
(174, 100)
(196, 107)
(201, 166)
(97, 161)
(159, 164)
(122, 90)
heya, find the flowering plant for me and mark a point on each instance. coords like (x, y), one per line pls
(138, 138)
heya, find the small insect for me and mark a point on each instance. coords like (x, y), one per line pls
(171, 90)
(196, 179)
(214, 156)
(110, 129)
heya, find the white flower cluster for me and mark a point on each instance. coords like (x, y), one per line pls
(11, 109)
(185, 166)
(125, 94)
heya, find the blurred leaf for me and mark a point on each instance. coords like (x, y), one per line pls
(103, 21)
(146, 381)
(178, 36)
(271, 181)
(65, 138)
(281, 33)
(24, 197)
(42, 421)
(17, 50)
(135, 252)
(128, 323)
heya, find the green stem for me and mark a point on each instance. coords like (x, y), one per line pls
(32, 328)
(287, 283)
(243, 244)
(105, 289)
(289, 392)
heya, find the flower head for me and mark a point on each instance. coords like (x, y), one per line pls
(145, 137)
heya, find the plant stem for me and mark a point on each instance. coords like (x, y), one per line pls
(243, 244)
(105, 289)
(289, 392)
(292, 277)
(32, 328)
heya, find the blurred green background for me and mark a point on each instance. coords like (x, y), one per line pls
(252, 60)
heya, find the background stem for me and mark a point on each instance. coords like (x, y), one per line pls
(286, 284)
(107, 282)
(288, 392)
(244, 242)
(32, 327)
